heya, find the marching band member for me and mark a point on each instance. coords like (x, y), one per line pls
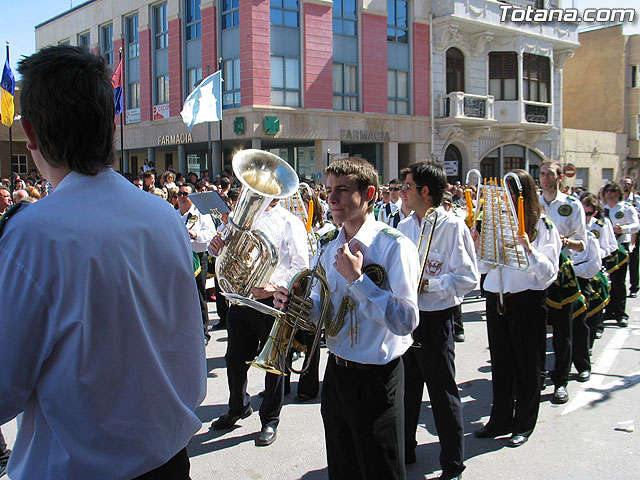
(625, 223)
(516, 331)
(248, 329)
(601, 228)
(566, 213)
(633, 199)
(450, 273)
(372, 273)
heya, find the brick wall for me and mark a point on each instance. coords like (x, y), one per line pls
(176, 92)
(255, 52)
(318, 55)
(209, 41)
(146, 91)
(421, 72)
(374, 63)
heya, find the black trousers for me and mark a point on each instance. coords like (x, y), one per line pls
(201, 280)
(434, 364)
(248, 331)
(4, 452)
(362, 412)
(560, 319)
(309, 382)
(634, 264)
(514, 345)
(177, 468)
(222, 306)
(594, 323)
(581, 333)
(458, 325)
(618, 300)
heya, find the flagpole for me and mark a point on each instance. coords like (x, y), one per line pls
(10, 136)
(122, 161)
(221, 97)
(209, 144)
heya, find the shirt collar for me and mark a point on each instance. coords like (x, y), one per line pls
(366, 233)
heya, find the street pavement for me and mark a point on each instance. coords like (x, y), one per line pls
(578, 440)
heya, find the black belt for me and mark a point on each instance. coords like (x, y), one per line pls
(341, 362)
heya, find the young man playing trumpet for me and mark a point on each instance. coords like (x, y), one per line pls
(448, 257)
(372, 274)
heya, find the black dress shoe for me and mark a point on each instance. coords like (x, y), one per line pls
(584, 376)
(560, 395)
(623, 321)
(633, 295)
(301, 397)
(598, 334)
(220, 326)
(227, 420)
(484, 432)
(516, 440)
(267, 436)
(459, 337)
(448, 476)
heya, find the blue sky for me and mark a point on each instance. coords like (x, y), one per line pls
(19, 18)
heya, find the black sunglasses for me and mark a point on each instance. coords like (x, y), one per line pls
(183, 194)
(394, 189)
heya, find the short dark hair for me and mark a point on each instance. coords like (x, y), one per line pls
(358, 169)
(430, 174)
(224, 182)
(616, 187)
(67, 96)
(403, 174)
(395, 180)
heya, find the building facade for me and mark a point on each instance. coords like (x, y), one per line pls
(394, 81)
(14, 155)
(602, 107)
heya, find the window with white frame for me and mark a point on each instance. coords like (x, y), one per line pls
(398, 91)
(230, 14)
(162, 89)
(536, 78)
(397, 21)
(231, 83)
(503, 75)
(345, 17)
(160, 27)
(106, 42)
(84, 40)
(284, 12)
(192, 20)
(133, 100)
(193, 78)
(19, 164)
(285, 81)
(345, 87)
(132, 36)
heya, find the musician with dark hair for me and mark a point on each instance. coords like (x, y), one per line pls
(105, 365)
(450, 271)
(516, 329)
(567, 214)
(371, 269)
(625, 223)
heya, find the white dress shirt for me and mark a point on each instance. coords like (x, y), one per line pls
(626, 216)
(288, 235)
(567, 214)
(603, 231)
(387, 314)
(451, 268)
(106, 355)
(588, 262)
(200, 224)
(387, 210)
(543, 265)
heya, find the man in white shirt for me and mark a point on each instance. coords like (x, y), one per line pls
(567, 214)
(625, 224)
(109, 385)
(201, 230)
(372, 275)
(450, 273)
(248, 329)
(632, 198)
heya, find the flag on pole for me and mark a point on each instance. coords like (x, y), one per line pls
(7, 92)
(204, 104)
(116, 82)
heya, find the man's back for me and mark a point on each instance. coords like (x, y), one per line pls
(101, 332)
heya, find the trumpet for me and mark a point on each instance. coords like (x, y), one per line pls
(295, 317)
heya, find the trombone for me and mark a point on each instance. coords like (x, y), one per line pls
(295, 205)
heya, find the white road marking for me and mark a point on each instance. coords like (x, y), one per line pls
(593, 390)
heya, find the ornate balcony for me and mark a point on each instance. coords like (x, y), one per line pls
(464, 108)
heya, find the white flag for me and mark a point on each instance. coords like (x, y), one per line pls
(204, 104)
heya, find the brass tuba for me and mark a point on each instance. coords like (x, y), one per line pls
(248, 258)
(273, 357)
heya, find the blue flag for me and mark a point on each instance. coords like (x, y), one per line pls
(204, 104)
